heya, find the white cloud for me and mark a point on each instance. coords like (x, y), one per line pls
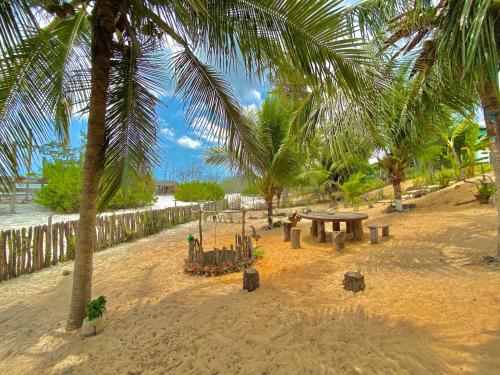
(247, 109)
(254, 95)
(207, 130)
(188, 142)
(168, 133)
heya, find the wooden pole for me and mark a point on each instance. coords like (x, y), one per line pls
(200, 230)
(3, 257)
(243, 228)
(48, 241)
(29, 261)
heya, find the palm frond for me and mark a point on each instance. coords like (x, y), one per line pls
(37, 89)
(211, 106)
(16, 23)
(136, 82)
(316, 36)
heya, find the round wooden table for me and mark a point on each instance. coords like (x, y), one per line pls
(353, 221)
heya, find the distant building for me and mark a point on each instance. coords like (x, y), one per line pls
(483, 156)
(165, 187)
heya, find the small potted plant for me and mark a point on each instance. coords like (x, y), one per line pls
(294, 219)
(93, 324)
(485, 189)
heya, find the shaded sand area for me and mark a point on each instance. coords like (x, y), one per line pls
(431, 305)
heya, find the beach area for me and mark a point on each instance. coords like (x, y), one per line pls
(431, 304)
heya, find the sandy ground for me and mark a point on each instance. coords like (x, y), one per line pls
(431, 305)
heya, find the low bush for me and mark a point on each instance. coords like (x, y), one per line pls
(63, 190)
(64, 174)
(259, 253)
(357, 185)
(139, 194)
(252, 190)
(199, 191)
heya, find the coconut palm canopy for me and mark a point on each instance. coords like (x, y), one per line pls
(45, 70)
(457, 38)
(280, 164)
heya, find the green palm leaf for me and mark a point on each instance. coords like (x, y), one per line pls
(131, 127)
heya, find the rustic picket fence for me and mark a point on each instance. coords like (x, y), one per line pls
(220, 261)
(28, 250)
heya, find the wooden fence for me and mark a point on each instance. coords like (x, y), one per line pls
(30, 249)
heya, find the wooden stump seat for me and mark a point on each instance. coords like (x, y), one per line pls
(287, 227)
(250, 279)
(295, 237)
(374, 231)
(354, 281)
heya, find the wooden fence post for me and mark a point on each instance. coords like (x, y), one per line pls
(3, 257)
(54, 244)
(48, 238)
(29, 262)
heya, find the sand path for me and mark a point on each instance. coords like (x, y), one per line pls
(430, 306)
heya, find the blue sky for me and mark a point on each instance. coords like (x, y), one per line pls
(180, 147)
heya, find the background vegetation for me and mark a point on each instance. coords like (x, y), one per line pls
(63, 169)
(199, 191)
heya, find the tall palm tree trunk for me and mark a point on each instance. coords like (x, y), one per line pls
(103, 25)
(269, 203)
(278, 198)
(491, 108)
(396, 185)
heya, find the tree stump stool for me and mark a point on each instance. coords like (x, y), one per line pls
(373, 233)
(250, 279)
(287, 227)
(295, 238)
(314, 228)
(354, 281)
(338, 239)
(321, 231)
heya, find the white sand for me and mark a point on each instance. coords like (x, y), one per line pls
(431, 306)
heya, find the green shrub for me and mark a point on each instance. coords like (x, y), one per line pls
(259, 252)
(443, 177)
(140, 193)
(199, 191)
(96, 308)
(252, 190)
(482, 168)
(356, 186)
(63, 191)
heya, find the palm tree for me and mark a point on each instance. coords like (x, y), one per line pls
(407, 123)
(458, 38)
(111, 58)
(280, 164)
(464, 142)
